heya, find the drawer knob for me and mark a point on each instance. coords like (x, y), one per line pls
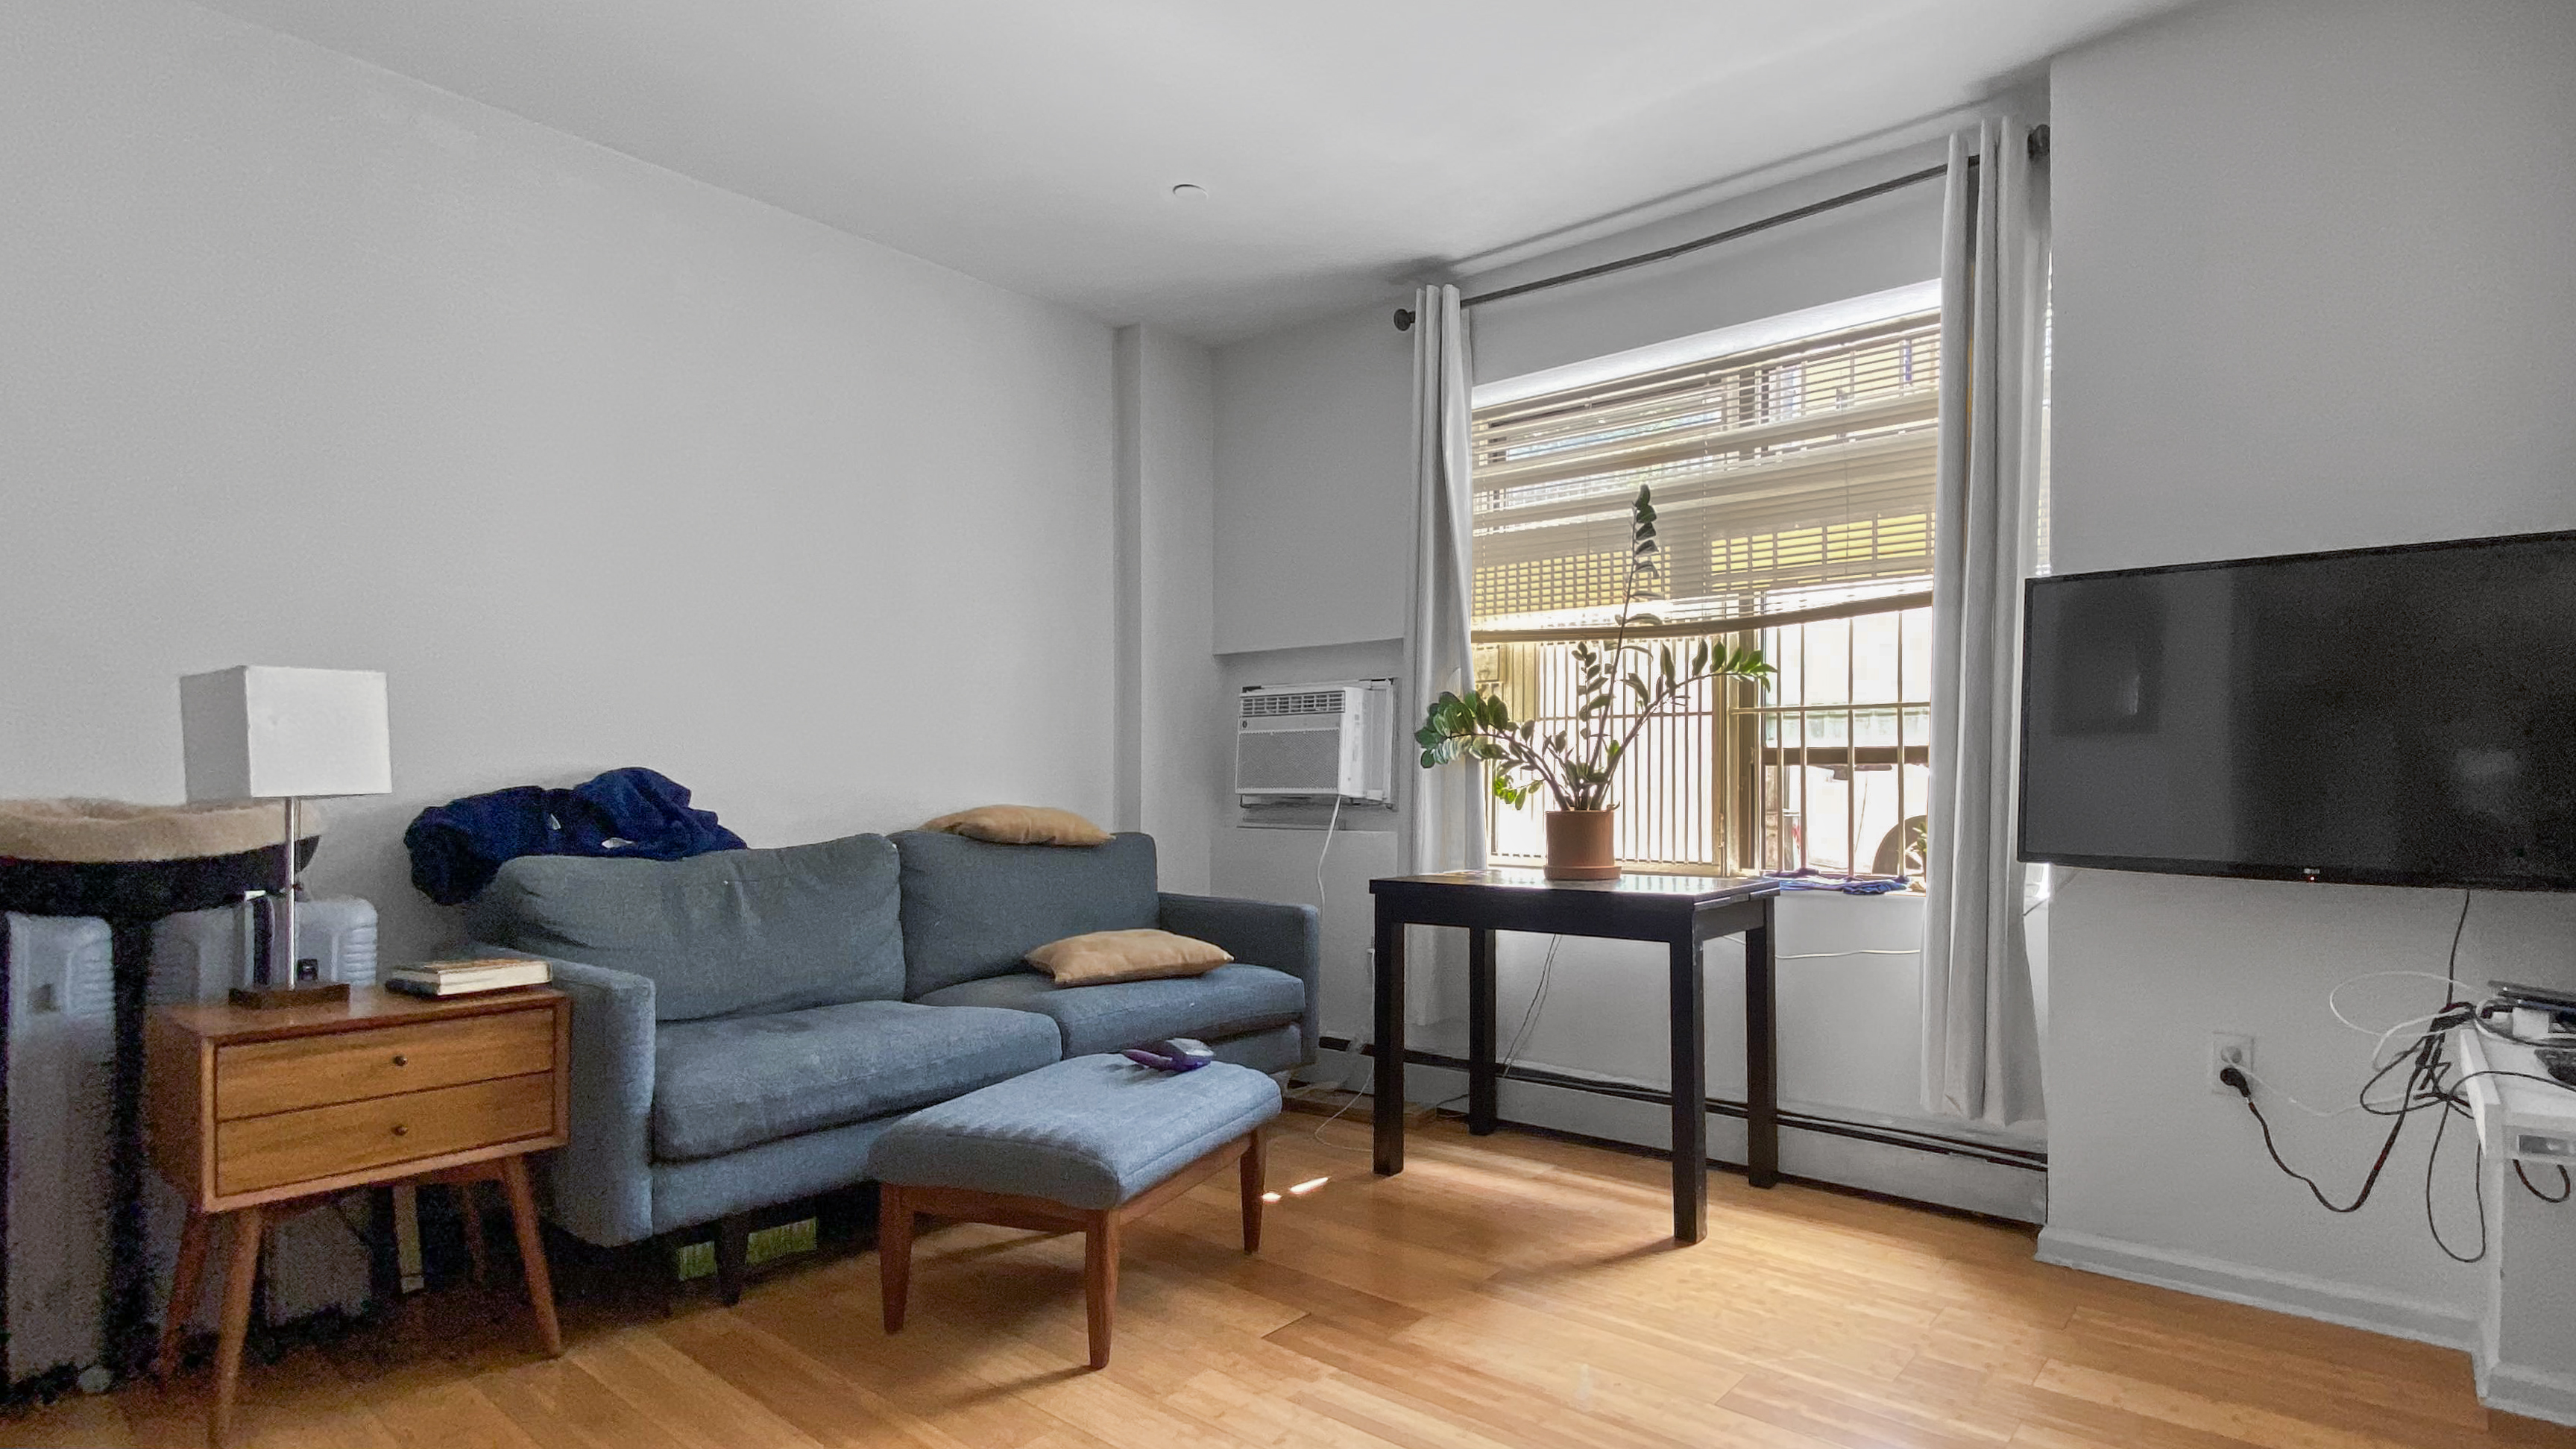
(400, 1060)
(401, 1131)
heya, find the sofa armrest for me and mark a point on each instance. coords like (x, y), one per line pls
(599, 1185)
(1264, 933)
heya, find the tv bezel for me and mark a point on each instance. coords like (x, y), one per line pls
(2239, 869)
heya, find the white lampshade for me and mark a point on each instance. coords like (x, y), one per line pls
(261, 732)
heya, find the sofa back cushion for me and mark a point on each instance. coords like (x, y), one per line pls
(972, 909)
(733, 933)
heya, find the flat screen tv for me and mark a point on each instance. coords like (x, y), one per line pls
(2386, 716)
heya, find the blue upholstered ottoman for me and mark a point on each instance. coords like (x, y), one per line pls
(1089, 1143)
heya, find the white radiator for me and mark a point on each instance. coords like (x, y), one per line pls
(62, 1056)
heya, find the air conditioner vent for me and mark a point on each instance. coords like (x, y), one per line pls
(1313, 701)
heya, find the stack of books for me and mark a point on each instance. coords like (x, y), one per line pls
(460, 978)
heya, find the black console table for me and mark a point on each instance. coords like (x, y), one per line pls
(1683, 911)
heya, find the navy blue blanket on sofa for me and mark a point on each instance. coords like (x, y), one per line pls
(456, 847)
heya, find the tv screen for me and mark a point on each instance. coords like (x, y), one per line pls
(2393, 716)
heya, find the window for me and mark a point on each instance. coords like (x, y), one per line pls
(1793, 475)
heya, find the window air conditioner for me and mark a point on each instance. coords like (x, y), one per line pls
(1295, 743)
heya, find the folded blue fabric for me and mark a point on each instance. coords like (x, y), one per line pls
(456, 847)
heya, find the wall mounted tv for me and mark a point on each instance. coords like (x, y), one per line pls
(2386, 716)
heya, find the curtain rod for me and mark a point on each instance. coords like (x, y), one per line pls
(2038, 150)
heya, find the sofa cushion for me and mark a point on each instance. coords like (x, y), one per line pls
(1020, 825)
(1099, 957)
(972, 909)
(1090, 1133)
(737, 932)
(1227, 1001)
(729, 1083)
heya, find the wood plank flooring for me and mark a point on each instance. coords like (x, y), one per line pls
(1504, 1293)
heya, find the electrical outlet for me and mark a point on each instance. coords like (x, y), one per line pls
(2229, 1049)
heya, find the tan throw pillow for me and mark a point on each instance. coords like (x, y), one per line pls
(1021, 825)
(1103, 956)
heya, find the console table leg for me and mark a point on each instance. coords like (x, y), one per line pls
(1483, 1085)
(1690, 1092)
(1387, 1107)
(1761, 1055)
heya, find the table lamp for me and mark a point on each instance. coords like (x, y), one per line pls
(262, 732)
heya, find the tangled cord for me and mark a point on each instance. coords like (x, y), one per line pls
(2428, 1083)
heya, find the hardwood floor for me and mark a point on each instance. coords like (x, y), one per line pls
(1505, 1291)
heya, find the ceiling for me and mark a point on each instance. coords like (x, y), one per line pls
(1344, 144)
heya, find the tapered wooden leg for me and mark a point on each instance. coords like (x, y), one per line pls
(470, 1212)
(241, 1270)
(1100, 1280)
(184, 1282)
(733, 1255)
(1252, 1169)
(532, 1251)
(894, 1254)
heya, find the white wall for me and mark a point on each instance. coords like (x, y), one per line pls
(2313, 291)
(307, 363)
(1314, 484)
(1173, 740)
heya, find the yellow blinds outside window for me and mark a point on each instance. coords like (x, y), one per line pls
(1793, 485)
(1786, 478)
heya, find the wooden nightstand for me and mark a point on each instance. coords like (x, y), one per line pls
(247, 1110)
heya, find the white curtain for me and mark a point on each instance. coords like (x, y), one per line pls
(1980, 1031)
(1446, 829)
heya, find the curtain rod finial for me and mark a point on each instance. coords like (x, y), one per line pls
(1403, 319)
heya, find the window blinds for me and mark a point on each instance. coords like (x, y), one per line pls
(1785, 478)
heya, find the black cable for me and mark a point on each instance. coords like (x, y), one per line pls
(2451, 968)
(2566, 1185)
(2477, 1186)
(2423, 1050)
(2428, 1084)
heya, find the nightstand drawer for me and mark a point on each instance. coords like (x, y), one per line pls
(256, 1153)
(255, 1079)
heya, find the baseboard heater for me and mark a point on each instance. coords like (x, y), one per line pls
(2032, 1159)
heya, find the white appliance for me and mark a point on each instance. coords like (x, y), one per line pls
(1300, 743)
(315, 1259)
(62, 1059)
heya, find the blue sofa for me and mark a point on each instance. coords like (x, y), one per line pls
(745, 1024)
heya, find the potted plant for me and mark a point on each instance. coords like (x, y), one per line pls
(1577, 765)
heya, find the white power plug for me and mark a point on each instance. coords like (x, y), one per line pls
(2230, 1049)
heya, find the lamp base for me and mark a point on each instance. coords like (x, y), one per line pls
(269, 998)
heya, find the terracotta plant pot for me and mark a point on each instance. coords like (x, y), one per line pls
(1579, 845)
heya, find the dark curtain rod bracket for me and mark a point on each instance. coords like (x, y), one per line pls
(2037, 146)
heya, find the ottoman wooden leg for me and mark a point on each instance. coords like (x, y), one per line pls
(1252, 1170)
(1100, 1279)
(894, 1254)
